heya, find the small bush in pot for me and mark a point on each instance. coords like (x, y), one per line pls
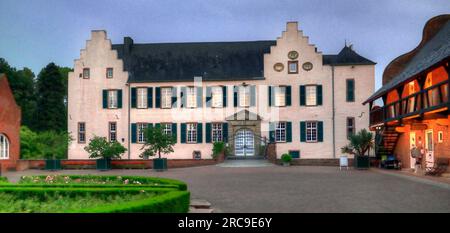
(359, 145)
(157, 142)
(286, 159)
(218, 149)
(102, 150)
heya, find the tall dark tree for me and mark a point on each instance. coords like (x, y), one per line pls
(50, 92)
(22, 84)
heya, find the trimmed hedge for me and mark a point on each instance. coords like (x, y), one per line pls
(152, 181)
(166, 201)
(3, 179)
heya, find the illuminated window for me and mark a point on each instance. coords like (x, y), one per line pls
(217, 97)
(280, 96)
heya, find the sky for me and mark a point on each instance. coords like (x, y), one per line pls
(34, 33)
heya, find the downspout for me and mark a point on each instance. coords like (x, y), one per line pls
(334, 112)
(128, 125)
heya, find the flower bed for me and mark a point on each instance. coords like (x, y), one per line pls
(74, 180)
(93, 194)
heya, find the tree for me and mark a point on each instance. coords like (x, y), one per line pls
(47, 144)
(22, 83)
(156, 142)
(360, 143)
(99, 147)
(51, 110)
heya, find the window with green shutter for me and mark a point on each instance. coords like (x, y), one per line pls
(225, 132)
(150, 97)
(350, 90)
(288, 131)
(157, 97)
(319, 95)
(320, 131)
(295, 154)
(224, 96)
(235, 96)
(288, 95)
(183, 133)
(302, 95)
(270, 95)
(119, 98)
(208, 132)
(302, 131)
(105, 98)
(174, 131)
(133, 133)
(199, 133)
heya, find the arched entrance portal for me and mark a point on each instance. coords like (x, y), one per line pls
(244, 143)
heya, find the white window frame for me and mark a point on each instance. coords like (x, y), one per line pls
(191, 97)
(312, 131)
(244, 96)
(140, 127)
(293, 64)
(81, 132)
(191, 131)
(142, 97)
(109, 72)
(217, 97)
(113, 99)
(166, 97)
(311, 95)
(4, 147)
(280, 131)
(167, 128)
(112, 131)
(280, 96)
(217, 132)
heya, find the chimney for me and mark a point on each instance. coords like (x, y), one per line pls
(127, 44)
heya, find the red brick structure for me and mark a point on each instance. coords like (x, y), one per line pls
(415, 99)
(10, 117)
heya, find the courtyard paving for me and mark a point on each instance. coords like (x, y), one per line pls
(297, 188)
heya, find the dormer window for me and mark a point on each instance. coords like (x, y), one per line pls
(109, 72)
(86, 73)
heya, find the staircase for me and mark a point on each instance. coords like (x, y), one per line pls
(385, 141)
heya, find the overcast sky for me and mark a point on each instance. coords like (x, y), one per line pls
(36, 32)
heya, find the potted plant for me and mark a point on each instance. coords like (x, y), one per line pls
(157, 142)
(359, 145)
(218, 150)
(104, 151)
(53, 146)
(286, 159)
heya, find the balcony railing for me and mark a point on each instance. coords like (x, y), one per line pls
(428, 99)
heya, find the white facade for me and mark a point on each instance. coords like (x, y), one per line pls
(85, 100)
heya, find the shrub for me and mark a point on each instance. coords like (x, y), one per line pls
(286, 158)
(40, 145)
(218, 148)
(99, 147)
(359, 144)
(3, 179)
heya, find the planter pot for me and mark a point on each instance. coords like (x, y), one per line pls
(362, 162)
(160, 164)
(103, 164)
(286, 164)
(52, 164)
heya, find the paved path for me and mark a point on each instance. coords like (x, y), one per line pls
(298, 189)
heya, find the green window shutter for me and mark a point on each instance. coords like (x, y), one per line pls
(224, 95)
(319, 94)
(235, 96)
(271, 132)
(225, 132)
(295, 154)
(288, 95)
(208, 132)
(208, 96)
(133, 132)
(183, 133)
(253, 95)
(174, 97)
(183, 97)
(269, 90)
(133, 97)
(302, 131)
(302, 95)
(174, 131)
(199, 97)
(199, 133)
(320, 131)
(119, 98)
(288, 131)
(150, 97)
(350, 90)
(157, 97)
(105, 98)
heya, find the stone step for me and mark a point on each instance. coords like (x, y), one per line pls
(245, 157)
(200, 204)
(200, 211)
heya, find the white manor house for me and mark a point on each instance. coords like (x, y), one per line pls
(246, 93)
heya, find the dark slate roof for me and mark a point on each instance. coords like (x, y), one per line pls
(436, 50)
(347, 56)
(159, 62)
(166, 62)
